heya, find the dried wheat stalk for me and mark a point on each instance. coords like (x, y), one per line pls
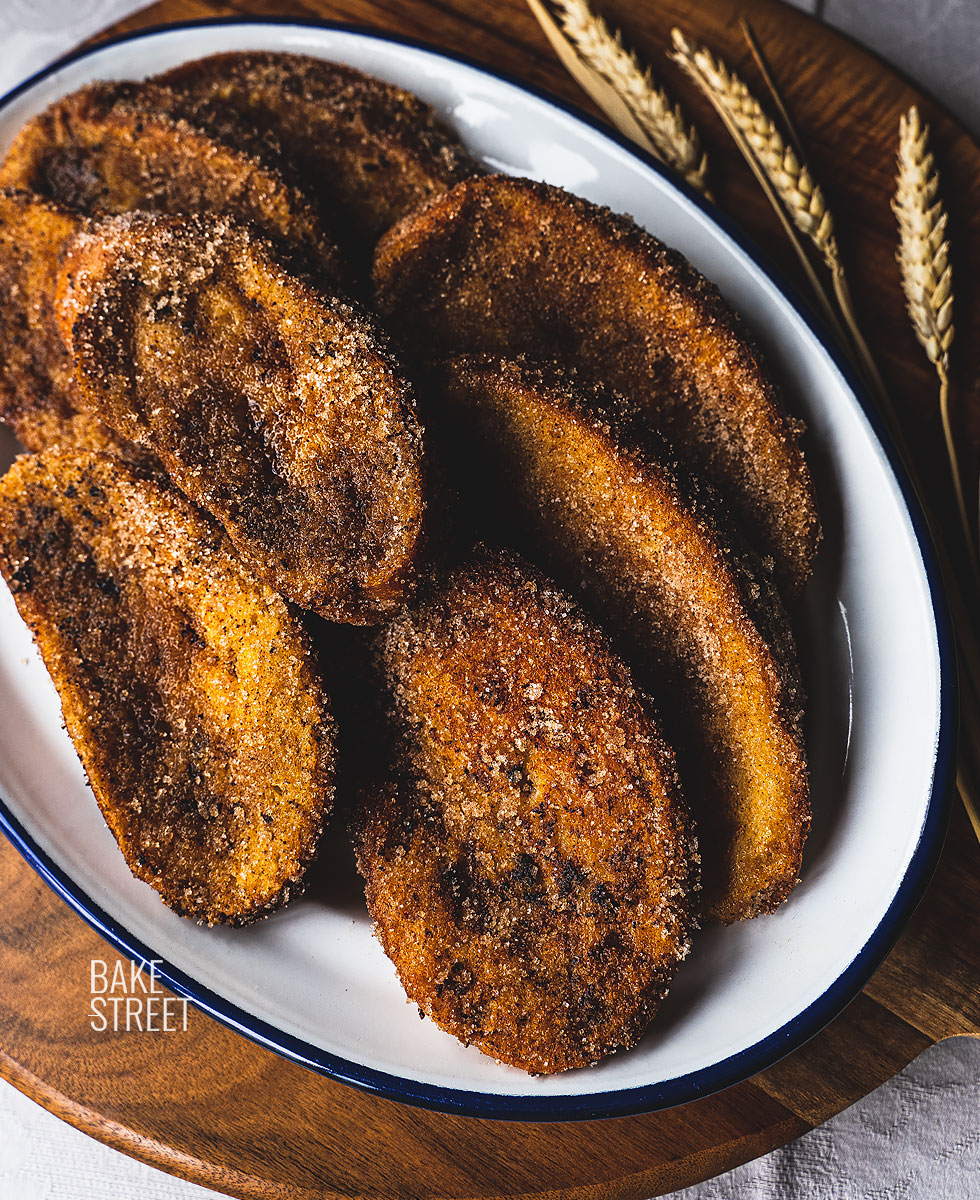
(762, 63)
(788, 183)
(693, 62)
(923, 250)
(927, 277)
(792, 180)
(673, 139)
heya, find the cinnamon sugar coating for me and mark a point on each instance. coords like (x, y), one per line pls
(508, 266)
(649, 554)
(116, 147)
(529, 864)
(38, 396)
(371, 152)
(275, 407)
(188, 689)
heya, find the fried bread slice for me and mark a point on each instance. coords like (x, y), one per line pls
(698, 617)
(509, 266)
(38, 396)
(372, 152)
(529, 866)
(188, 689)
(116, 147)
(273, 406)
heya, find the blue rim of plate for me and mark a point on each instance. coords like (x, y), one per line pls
(666, 1093)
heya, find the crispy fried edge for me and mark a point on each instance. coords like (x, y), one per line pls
(109, 472)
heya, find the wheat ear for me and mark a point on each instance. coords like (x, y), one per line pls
(927, 277)
(674, 140)
(792, 181)
(923, 250)
(788, 182)
(707, 73)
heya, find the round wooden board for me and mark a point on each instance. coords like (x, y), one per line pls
(207, 1104)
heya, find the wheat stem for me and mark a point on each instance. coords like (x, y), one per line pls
(869, 368)
(954, 462)
(832, 257)
(675, 141)
(968, 795)
(841, 289)
(968, 666)
(967, 770)
(968, 761)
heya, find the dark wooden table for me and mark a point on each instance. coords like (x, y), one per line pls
(212, 1107)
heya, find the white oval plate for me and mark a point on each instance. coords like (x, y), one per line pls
(312, 982)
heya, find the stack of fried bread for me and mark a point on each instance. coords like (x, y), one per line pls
(230, 299)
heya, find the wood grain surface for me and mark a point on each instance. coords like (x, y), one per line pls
(209, 1105)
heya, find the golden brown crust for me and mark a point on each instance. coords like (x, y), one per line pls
(509, 266)
(35, 368)
(371, 152)
(703, 620)
(529, 867)
(116, 147)
(188, 689)
(274, 407)
(38, 396)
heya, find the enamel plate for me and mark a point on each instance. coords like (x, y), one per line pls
(311, 982)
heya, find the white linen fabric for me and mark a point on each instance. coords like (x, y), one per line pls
(914, 1138)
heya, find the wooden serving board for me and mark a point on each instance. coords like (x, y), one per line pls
(209, 1105)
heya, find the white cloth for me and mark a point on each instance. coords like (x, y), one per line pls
(915, 1138)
